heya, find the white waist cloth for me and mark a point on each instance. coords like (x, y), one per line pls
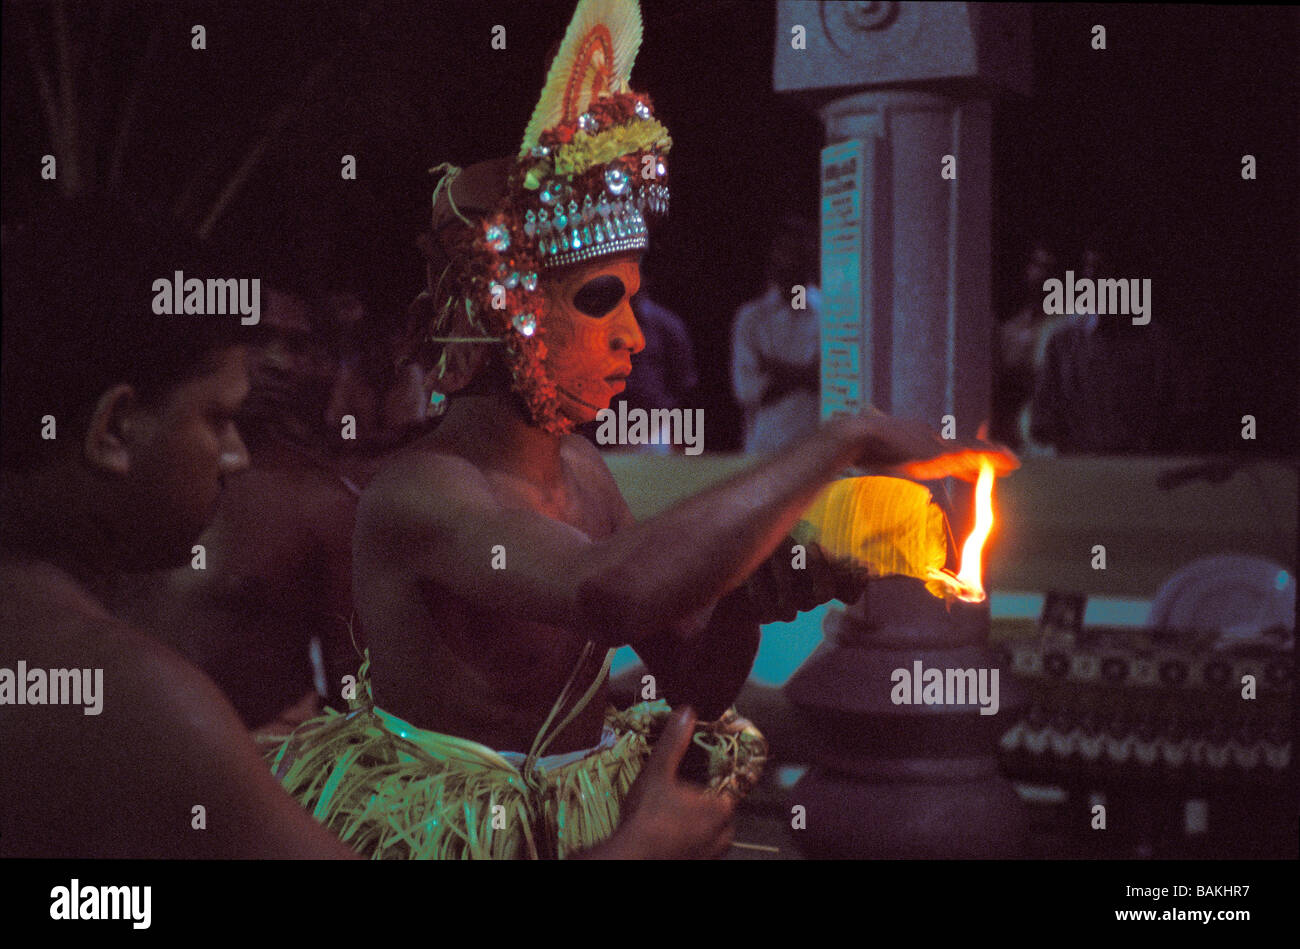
(550, 762)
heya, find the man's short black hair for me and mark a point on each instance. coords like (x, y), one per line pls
(794, 255)
(78, 318)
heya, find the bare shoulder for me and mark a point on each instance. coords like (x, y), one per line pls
(161, 767)
(421, 487)
(105, 769)
(422, 462)
(55, 624)
(423, 469)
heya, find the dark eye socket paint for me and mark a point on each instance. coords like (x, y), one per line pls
(597, 297)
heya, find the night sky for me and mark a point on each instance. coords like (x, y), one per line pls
(1143, 140)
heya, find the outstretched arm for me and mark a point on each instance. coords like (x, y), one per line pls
(707, 670)
(437, 516)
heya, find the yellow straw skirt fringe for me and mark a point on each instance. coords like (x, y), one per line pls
(393, 791)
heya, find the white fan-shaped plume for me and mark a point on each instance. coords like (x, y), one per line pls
(598, 28)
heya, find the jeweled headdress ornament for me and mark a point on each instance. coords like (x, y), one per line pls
(590, 171)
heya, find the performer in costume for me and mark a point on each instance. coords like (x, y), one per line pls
(496, 564)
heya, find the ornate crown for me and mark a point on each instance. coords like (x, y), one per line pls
(590, 186)
(589, 172)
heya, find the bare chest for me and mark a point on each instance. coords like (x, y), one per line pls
(485, 673)
(566, 499)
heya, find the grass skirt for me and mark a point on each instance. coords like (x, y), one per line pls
(394, 791)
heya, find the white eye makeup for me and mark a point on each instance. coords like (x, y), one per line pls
(597, 297)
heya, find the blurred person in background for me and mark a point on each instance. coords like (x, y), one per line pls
(1019, 337)
(270, 617)
(1105, 384)
(776, 344)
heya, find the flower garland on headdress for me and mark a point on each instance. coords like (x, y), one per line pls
(589, 172)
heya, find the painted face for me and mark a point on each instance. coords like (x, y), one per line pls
(591, 333)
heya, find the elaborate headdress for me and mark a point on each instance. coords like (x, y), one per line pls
(589, 172)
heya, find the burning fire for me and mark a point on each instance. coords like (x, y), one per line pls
(967, 584)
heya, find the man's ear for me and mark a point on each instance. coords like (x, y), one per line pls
(109, 434)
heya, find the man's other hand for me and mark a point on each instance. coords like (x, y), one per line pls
(668, 819)
(777, 592)
(910, 449)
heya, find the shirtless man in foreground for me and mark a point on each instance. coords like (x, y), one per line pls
(463, 648)
(143, 409)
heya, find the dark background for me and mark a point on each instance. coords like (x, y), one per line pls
(1143, 141)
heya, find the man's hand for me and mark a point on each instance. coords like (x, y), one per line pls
(910, 449)
(668, 819)
(777, 592)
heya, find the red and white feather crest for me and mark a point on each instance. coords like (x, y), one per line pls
(596, 56)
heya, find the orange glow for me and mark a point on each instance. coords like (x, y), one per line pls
(972, 566)
(968, 585)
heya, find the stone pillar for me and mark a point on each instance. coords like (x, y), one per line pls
(929, 320)
(889, 779)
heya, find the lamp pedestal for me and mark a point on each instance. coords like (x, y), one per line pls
(892, 780)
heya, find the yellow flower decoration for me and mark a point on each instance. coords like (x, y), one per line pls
(587, 151)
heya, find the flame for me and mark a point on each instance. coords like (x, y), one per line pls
(972, 552)
(967, 584)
